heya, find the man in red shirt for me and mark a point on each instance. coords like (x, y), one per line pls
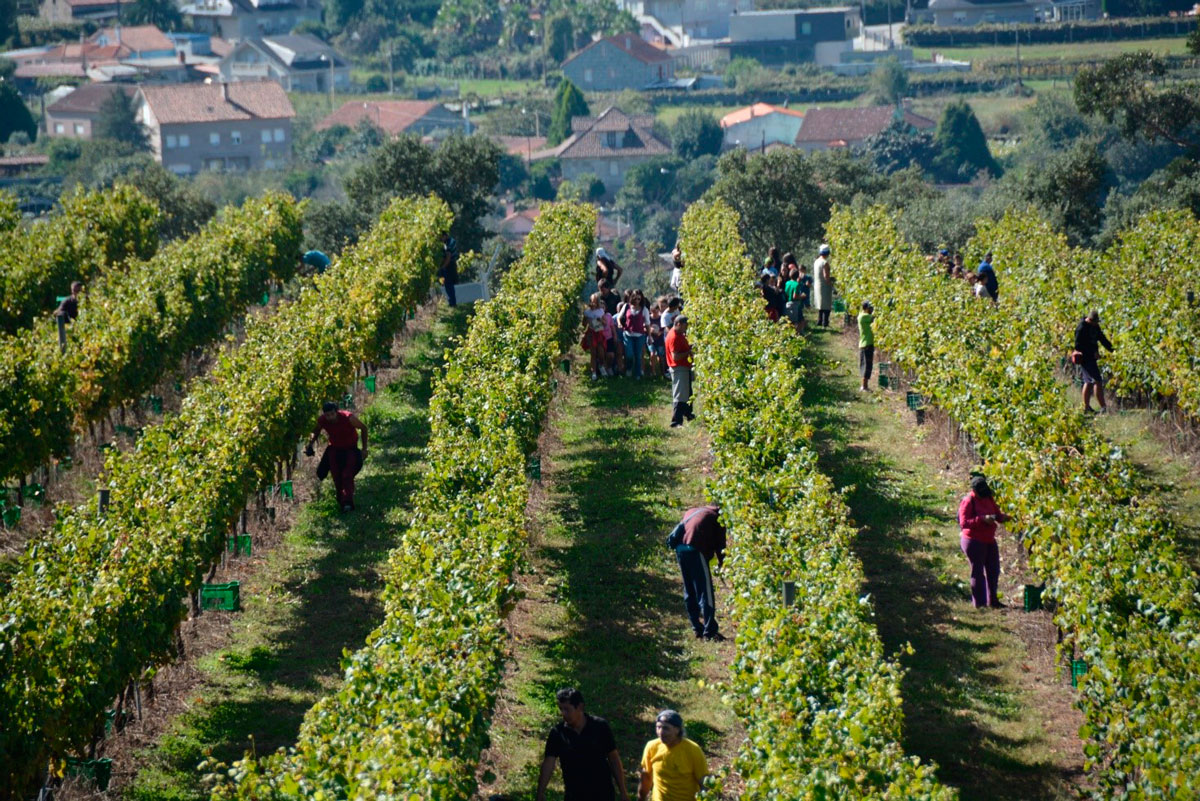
(679, 359)
(703, 539)
(342, 458)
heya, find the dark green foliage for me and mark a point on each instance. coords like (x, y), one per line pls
(560, 36)
(465, 27)
(696, 133)
(331, 227)
(1052, 122)
(843, 176)
(648, 186)
(463, 171)
(541, 179)
(776, 196)
(889, 82)
(1193, 41)
(1125, 91)
(962, 148)
(513, 172)
(14, 115)
(377, 83)
(1176, 186)
(8, 20)
(568, 103)
(162, 13)
(1069, 189)
(898, 147)
(184, 208)
(117, 121)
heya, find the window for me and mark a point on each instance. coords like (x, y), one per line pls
(180, 169)
(806, 29)
(214, 138)
(185, 140)
(59, 127)
(587, 76)
(611, 138)
(235, 137)
(279, 135)
(172, 141)
(215, 164)
(79, 129)
(266, 136)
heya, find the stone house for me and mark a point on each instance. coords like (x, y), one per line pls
(217, 126)
(299, 62)
(761, 125)
(79, 10)
(73, 116)
(829, 128)
(607, 146)
(625, 61)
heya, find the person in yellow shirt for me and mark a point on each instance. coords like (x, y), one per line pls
(672, 765)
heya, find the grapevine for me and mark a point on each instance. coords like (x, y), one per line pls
(99, 600)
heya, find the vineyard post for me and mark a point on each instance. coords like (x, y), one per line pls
(103, 501)
(62, 332)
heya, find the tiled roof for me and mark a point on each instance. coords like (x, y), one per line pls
(391, 116)
(520, 145)
(88, 99)
(202, 102)
(630, 44)
(300, 48)
(757, 110)
(135, 37)
(826, 125)
(591, 143)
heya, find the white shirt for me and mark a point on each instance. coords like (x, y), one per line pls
(676, 278)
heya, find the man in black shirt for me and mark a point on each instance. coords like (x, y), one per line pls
(588, 752)
(69, 308)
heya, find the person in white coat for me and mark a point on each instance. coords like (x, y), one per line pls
(823, 286)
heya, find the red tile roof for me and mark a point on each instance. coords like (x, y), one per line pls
(842, 125)
(757, 110)
(136, 37)
(635, 137)
(88, 99)
(631, 44)
(391, 116)
(202, 102)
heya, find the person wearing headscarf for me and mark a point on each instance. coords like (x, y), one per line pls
(607, 268)
(978, 515)
(822, 286)
(672, 765)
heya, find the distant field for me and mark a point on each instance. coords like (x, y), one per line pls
(1083, 51)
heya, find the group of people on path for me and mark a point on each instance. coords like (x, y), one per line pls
(672, 766)
(983, 281)
(789, 289)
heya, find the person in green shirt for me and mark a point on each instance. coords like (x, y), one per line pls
(866, 344)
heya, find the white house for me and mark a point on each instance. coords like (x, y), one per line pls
(761, 125)
(299, 62)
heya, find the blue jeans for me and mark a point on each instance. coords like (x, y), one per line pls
(697, 590)
(635, 346)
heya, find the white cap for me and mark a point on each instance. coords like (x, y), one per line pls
(601, 253)
(824, 250)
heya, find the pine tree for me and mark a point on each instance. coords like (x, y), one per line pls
(568, 103)
(117, 121)
(14, 114)
(963, 147)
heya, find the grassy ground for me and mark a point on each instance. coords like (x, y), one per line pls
(603, 609)
(316, 595)
(1081, 51)
(981, 695)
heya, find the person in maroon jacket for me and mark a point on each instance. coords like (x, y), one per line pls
(978, 515)
(703, 538)
(342, 458)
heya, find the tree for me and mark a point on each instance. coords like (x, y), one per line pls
(1123, 91)
(559, 36)
(184, 208)
(14, 114)
(117, 120)
(8, 20)
(776, 195)
(462, 171)
(696, 133)
(889, 81)
(962, 148)
(467, 26)
(1069, 189)
(541, 179)
(162, 13)
(568, 102)
(648, 186)
(898, 147)
(1193, 41)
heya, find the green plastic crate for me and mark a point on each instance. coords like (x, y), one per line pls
(266, 298)
(98, 771)
(286, 489)
(239, 544)
(369, 383)
(915, 400)
(534, 470)
(11, 515)
(221, 596)
(1078, 668)
(1033, 597)
(565, 364)
(885, 381)
(34, 493)
(839, 306)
